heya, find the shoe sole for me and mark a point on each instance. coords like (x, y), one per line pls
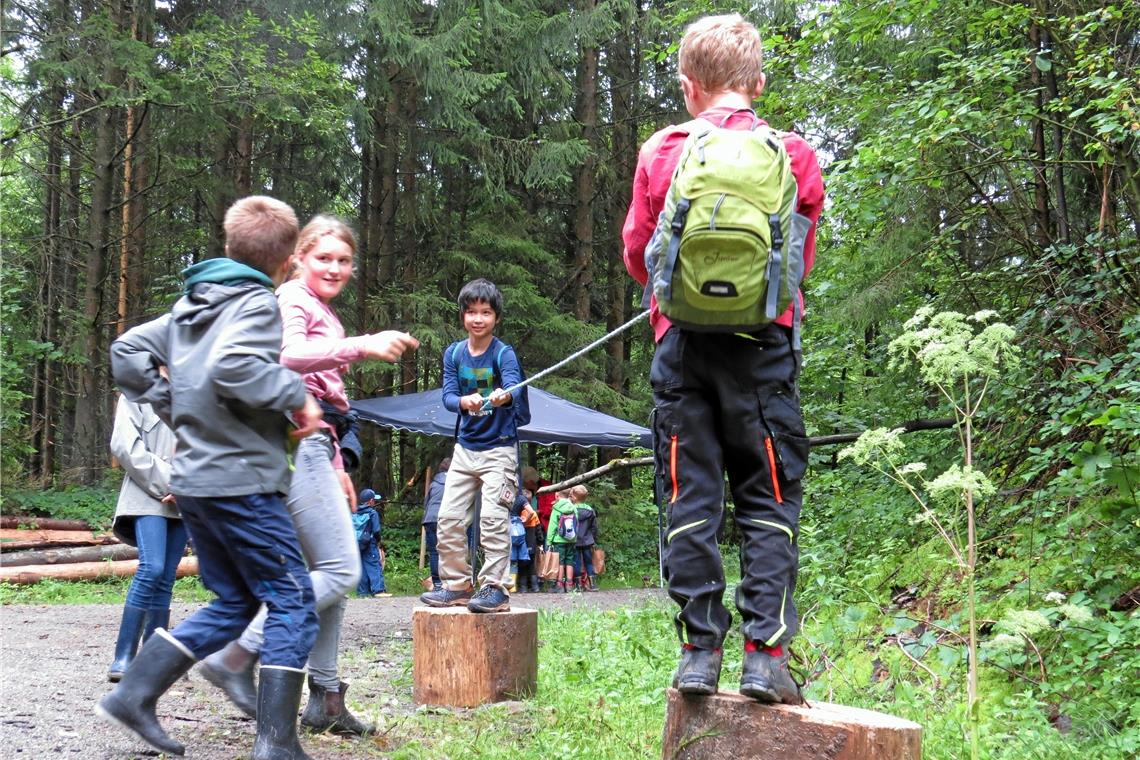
(698, 689)
(759, 693)
(107, 717)
(455, 603)
(766, 695)
(504, 607)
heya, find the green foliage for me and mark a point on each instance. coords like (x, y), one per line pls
(95, 504)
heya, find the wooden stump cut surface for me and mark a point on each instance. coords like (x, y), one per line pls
(464, 659)
(729, 725)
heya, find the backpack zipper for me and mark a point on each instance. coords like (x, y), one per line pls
(716, 208)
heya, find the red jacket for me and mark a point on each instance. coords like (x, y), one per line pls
(655, 164)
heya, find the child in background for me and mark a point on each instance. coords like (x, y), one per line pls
(728, 400)
(366, 520)
(584, 546)
(561, 536)
(520, 554)
(431, 520)
(226, 400)
(485, 458)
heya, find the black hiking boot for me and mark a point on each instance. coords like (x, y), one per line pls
(160, 663)
(766, 678)
(698, 671)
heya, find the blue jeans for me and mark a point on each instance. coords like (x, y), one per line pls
(249, 554)
(431, 540)
(161, 542)
(585, 560)
(372, 572)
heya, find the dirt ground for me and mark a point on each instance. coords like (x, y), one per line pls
(53, 662)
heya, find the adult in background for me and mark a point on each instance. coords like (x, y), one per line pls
(146, 517)
(368, 525)
(431, 520)
(540, 503)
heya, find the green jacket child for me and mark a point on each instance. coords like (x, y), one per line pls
(561, 507)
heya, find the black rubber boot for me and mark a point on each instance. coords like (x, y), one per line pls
(698, 671)
(326, 711)
(131, 704)
(128, 642)
(231, 670)
(278, 697)
(156, 619)
(766, 678)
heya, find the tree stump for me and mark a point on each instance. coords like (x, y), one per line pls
(731, 725)
(464, 659)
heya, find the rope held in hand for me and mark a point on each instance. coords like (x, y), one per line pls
(580, 352)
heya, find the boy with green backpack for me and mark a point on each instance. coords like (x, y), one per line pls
(721, 231)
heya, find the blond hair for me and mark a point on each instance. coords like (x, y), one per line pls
(722, 53)
(260, 231)
(577, 493)
(320, 226)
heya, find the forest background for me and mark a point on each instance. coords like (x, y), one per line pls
(979, 155)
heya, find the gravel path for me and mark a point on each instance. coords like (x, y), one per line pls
(53, 662)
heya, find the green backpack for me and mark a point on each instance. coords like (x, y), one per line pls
(727, 254)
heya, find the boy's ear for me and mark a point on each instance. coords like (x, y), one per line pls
(690, 87)
(763, 80)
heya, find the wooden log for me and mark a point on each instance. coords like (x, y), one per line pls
(84, 571)
(728, 724)
(461, 659)
(67, 556)
(13, 539)
(42, 523)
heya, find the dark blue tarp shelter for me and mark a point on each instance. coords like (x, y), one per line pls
(554, 420)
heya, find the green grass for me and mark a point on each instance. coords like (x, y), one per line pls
(108, 591)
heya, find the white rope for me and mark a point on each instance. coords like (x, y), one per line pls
(580, 352)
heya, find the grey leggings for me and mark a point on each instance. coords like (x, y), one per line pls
(324, 524)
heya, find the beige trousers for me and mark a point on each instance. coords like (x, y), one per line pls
(494, 474)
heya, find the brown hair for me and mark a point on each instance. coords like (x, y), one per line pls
(260, 231)
(722, 53)
(321, 225)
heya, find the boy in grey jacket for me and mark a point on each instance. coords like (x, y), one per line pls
(226, 400)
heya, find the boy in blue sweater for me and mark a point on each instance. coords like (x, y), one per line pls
(485, 458)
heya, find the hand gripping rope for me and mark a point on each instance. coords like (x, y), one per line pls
(580, 352)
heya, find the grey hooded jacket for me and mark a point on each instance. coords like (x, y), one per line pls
(227, 394)
(144, 447)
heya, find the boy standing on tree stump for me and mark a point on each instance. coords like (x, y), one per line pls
(725, 387)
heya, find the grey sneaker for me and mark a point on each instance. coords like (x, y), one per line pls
(444, 597)
(490, 599)
(767, 679)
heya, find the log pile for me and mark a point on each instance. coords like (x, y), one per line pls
(33, 549)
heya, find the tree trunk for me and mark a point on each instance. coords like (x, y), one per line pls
(1040, 181)
(88, 441)
(112, 552)
(86, 571)
(586, 113)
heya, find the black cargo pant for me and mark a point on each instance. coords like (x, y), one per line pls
(730, 403)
